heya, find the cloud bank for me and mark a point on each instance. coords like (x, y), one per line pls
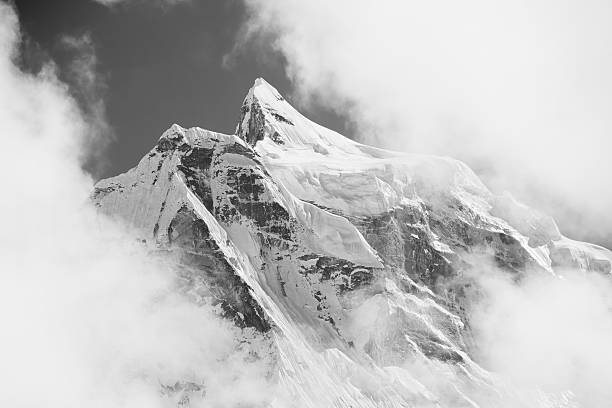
(518, 90)
(89, 319)
(547, 333)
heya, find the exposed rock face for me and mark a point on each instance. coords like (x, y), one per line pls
(347, 261)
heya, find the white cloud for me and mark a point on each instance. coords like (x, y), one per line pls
(519, 90)
(89, 88)
(549, 333)
(89, 319)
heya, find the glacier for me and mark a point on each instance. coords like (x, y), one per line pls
(345, 267)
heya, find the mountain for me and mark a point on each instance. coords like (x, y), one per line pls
(347, 269)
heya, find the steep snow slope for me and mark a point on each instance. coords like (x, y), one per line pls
(321, 166)
(344, 265)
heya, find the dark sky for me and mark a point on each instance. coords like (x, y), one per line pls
(161, 65)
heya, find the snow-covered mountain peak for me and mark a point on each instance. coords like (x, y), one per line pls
(264, 92)
(197, 137)
(321, 166)
(342, 264)
(268, 118)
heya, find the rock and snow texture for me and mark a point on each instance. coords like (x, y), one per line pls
(342, 264)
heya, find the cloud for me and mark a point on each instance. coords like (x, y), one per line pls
(547, 332)
(519, 90)
(89, 318)
(89, 89)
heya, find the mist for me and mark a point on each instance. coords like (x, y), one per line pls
(520, 91)
(547, 332)
(89, 317)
